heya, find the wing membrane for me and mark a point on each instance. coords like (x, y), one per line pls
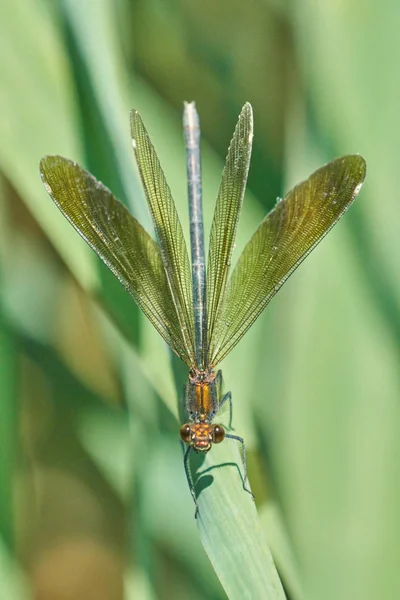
(282, 241)
(168, 231)
(119, 240)
(226, 215)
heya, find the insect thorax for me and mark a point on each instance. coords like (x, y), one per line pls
(202, 396)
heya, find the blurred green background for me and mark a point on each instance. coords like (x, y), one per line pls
(93, 499)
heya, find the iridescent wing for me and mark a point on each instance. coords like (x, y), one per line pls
(168, 230)
(119, 240)
(282, 241)
(226, 215)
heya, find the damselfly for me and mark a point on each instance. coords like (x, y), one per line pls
(199, 310)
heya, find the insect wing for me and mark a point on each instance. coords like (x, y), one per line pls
(118, 239)
(226, 215)
(168, 230)
(282, 241)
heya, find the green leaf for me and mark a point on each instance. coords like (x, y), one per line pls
(230, 528)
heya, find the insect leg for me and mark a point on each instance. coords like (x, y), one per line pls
(243, 452)
(227, 398)
(189, 477)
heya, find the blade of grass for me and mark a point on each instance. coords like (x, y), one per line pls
(34, 66)
(102, 67)
(8, 431)
(231, 531)
(12, 581)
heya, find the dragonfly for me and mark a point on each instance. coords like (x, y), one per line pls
(200, 309)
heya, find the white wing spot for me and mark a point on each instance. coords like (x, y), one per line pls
(357, 189)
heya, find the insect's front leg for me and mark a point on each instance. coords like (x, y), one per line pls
(226, 398)
(186, 454)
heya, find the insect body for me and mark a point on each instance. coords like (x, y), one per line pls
(199, 307)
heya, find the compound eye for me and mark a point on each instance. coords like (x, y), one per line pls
(218, 434)
(185, 433)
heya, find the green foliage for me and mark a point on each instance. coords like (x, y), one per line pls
(91, 471)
